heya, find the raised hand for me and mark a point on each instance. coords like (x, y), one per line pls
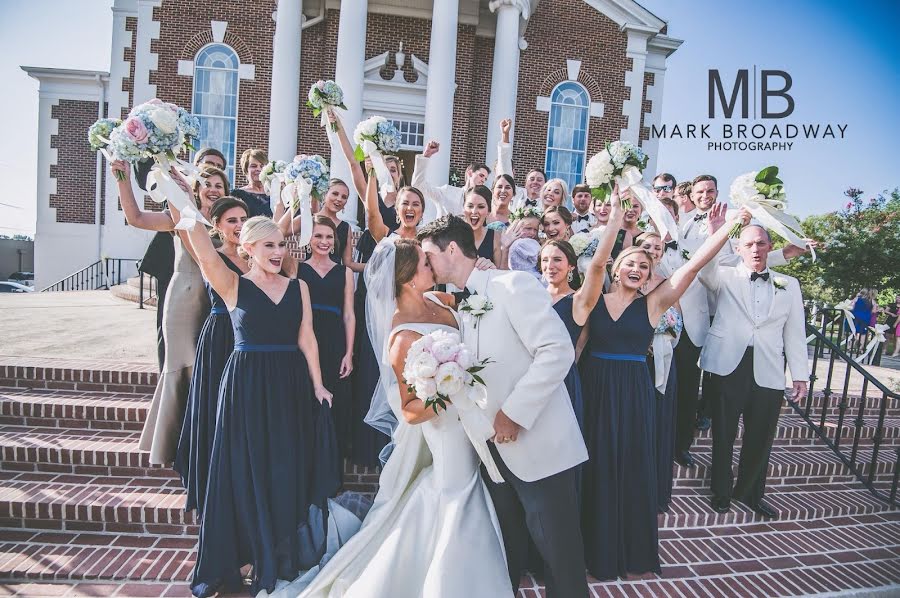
(505, 126)
(333, 119)
(431, 149)
(182, 182)
(512, 233)
(122, 166)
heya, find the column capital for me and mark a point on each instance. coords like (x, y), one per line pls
(523, 6)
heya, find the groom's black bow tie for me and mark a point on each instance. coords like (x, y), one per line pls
(700, 217)
(673, 245)
(531, 203)
(463, 295)
(755, 275)
(584, 218)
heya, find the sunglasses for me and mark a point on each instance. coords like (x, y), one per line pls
(664, 188)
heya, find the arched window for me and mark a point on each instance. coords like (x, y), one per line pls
(567, 133)
(216, 100)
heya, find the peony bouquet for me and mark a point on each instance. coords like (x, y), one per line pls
(154, 129)
(670, 323)
(439, 369)
(98, 137)
(375, 137)
(322, 96)
(603, 168)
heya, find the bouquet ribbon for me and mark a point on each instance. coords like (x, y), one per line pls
(663, 349)
(879, 338)
(298, 195)
(274, 189)
(770, 213)
(469, 406)
(632, 180)
(163, 188)
(385, 182)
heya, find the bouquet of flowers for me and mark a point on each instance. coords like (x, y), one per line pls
(670, 323)
(375, 137)
(622, 163)
(762, 194)
(306, 177)
(270, 172)
(322, 96)
(440, 368)
(98, 137)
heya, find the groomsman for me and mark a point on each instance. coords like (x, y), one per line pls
(444, 199)
(683, 198)
(664, 186)
(583, 219)
(529, 195)
(758, 326)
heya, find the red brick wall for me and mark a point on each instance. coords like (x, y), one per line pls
(481, 98)
(646, 106)
(75, 170)
(128, 54)
(559, 30)
(317, 58)
(185, 28)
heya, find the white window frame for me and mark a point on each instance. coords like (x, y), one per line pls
(419, 124)
(232, 160)
(587, 110)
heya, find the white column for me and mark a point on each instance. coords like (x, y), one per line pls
(441, 86)
(349, 73)
(505, 74)
(284, 103)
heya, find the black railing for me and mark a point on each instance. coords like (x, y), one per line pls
(862, 458)
(147, 290)
(102, 274)
(833, 324)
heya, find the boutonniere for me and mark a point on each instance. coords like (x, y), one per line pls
(780, 283)
(476, 306)
(685, 255)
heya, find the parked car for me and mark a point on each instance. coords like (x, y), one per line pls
(26, 278)
(14, 287)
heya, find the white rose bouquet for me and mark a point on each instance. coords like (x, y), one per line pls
(98, 137)
(375, 137)
(762, 193)
(441, 369)
(322, 96)
(622, 163)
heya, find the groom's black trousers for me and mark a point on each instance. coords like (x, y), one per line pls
(547, 510)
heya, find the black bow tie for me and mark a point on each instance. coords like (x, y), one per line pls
(755, 275)
(700, 217)
(584, 218)
(463, 295)
(532, 203)
(673, 245)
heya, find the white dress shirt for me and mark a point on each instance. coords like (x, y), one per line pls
(761, 292)
(582, 225)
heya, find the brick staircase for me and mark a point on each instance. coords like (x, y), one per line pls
(83, 513)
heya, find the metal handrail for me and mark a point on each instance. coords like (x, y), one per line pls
(102, 274)
(822, 335)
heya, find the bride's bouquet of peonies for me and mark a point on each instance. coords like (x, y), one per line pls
(322, 96)
(439, 369)
(375, 137)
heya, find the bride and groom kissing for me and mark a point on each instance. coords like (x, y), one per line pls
(453, 514)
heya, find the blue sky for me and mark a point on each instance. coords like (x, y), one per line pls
(843, 58)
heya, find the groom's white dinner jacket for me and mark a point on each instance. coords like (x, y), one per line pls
(775, 329)
(532, 354)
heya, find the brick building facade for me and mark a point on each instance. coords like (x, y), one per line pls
(509, 58)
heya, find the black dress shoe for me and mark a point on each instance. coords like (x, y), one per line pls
(685, 459)
(721, 505)
(703, 423)
(761, 508)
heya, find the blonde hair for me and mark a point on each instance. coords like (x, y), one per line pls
(256, 229)
(625, 253)
(563, 187)
(257, 154)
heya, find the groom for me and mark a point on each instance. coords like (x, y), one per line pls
(537, 442)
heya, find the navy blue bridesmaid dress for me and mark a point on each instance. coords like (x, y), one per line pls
(366, 442)
(563, 308)
(486, 249)
(341, 240)
(260, 507)
(665, 437)
(619, 483)
(195, 443)
(327, 296)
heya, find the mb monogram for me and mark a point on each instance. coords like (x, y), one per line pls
(758, 94)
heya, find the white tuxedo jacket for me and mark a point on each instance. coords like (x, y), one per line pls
(532, 352)
(439, 200)
(782, 334)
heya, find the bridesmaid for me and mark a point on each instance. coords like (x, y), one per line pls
(662, 369)
(410, 208)
(228, 216)
(502, 194)
(186, 308)
(334, 322)
(556, 223)
(555, 192)
(333, 201)
(491, 244)
(253, 193)
(619, 497)
(262, 476)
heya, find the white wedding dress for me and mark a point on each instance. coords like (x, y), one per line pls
(432, 531)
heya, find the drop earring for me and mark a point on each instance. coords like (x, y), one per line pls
(571, 276)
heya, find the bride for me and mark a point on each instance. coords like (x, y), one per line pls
(432, 530)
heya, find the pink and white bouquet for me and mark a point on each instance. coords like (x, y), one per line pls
(322, 96)
(439, 369)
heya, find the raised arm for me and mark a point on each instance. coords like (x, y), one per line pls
(504, 149)
(134, 215)
(310, 347)
(221, 278)
(587, 296)
(356, 171)
(412, 407)
(349, 324)
(667, 293)
(374, 222)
